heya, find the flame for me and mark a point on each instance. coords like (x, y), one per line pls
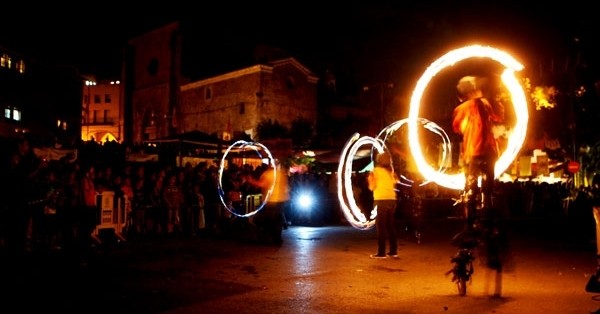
(515, 141)
(543, 97)
(432, 127)
(353, 213)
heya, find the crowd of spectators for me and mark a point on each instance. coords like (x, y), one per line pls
(49, 204)
(55, 204)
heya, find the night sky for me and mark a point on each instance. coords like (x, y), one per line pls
(372, 41)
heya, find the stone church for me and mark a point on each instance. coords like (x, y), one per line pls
(163, 102)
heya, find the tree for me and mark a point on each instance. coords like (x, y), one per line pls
(302, 133)
(269, 129)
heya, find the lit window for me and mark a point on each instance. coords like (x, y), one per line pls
(21, 66)
(17, 115)
(7, 113)
(3, 60)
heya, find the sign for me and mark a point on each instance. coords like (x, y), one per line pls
(573, 166)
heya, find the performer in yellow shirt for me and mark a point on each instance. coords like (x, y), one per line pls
(382, 181)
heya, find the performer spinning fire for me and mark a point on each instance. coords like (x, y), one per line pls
(474, 119)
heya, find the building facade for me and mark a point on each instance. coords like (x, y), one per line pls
(165, 103)
(39, 100)
(13, 77)
(103, 112)
(281, 91)
(152, 67)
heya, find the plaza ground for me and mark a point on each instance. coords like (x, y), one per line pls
(323, 269)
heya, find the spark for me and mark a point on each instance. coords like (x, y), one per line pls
(543, 97)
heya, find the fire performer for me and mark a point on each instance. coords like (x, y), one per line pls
(474, 119)
(270, 218)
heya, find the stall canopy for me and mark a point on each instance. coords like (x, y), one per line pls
(69, 155)
(196, 138)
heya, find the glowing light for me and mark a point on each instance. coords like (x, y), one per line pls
(354, 215)
(543, 97)
(305, 200)
(429, 125)
(515, 141)
(256, 147)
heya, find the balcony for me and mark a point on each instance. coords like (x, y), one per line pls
(106, 122)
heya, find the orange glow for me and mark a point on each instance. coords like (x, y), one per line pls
(517, 136)
(543, 97)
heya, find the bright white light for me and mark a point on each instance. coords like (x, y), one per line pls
(304, 201)
(515, 141)
(16, 115)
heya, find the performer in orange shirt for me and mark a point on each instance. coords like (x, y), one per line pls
(474, 119)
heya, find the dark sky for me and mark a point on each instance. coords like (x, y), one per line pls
(369, 41)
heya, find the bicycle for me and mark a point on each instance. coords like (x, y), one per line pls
(463, 269)
(473, 201)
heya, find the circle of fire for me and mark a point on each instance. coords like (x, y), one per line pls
(241, 146)
(517, 136)
(353, 213)
(429, 125)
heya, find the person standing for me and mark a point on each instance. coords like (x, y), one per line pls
(382, 182)
(173, 199)
(474, 119)
(89, 214)
(270, 218)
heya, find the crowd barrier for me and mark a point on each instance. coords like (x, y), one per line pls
(252, 201)
(113, 214)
